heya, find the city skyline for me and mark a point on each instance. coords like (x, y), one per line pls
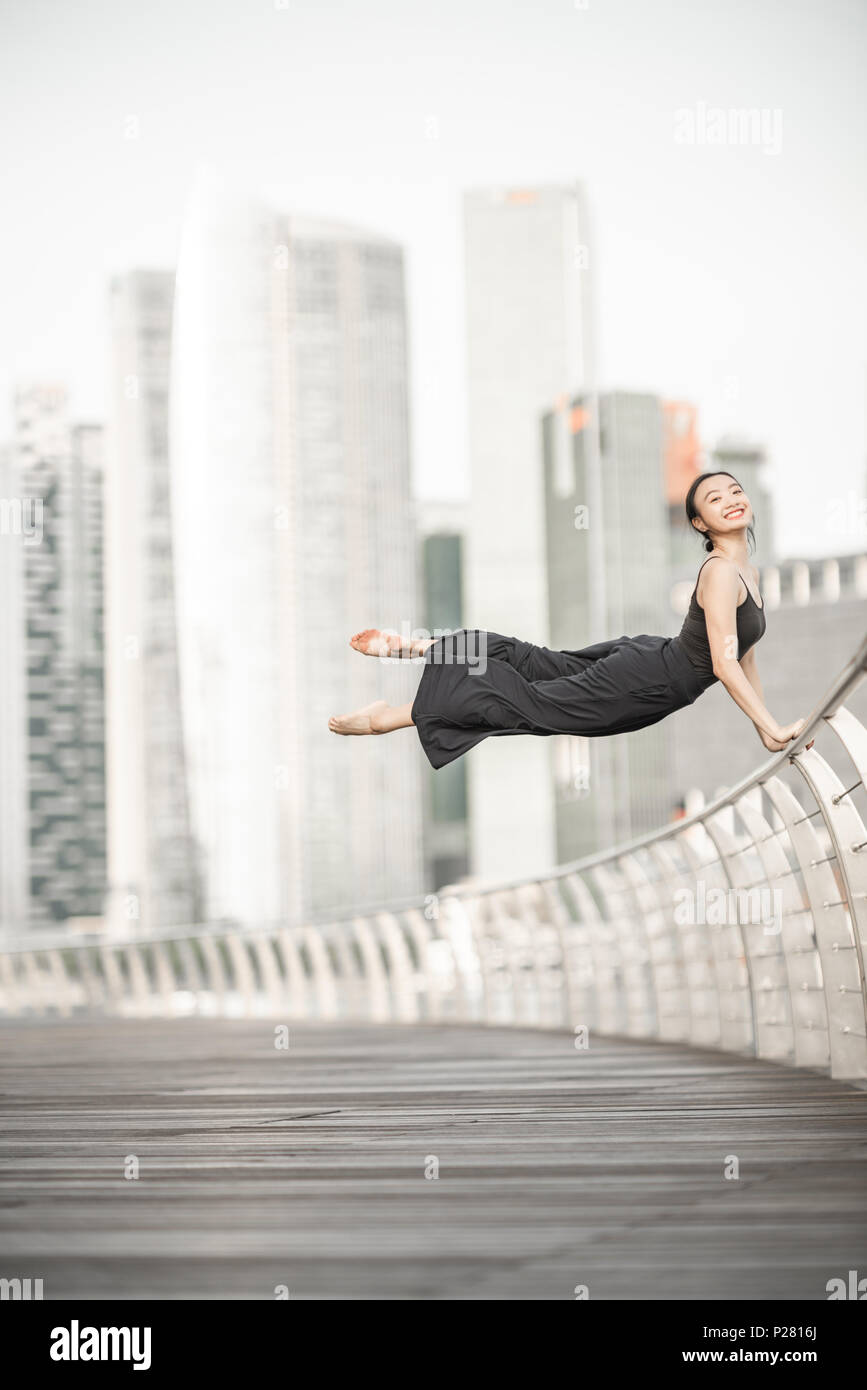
(707, 255)
(298, 379)
(804, 594)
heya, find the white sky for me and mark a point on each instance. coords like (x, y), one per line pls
(725, 275)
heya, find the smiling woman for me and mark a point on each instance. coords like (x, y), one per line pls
(720, 493)
(725, 618)
(477, 684)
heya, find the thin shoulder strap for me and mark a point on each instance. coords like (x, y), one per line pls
(710, 557)
(750, 592)
(704, 562)
(694, 598)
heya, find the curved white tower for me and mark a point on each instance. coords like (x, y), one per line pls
(292, 529)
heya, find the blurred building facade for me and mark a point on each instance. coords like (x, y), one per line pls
(747, 461)
(528, 286)
(52, 749)
(607, 789)
(153, 875)
(18, 515)
(683, 461)
(442, 544)
(293, 529)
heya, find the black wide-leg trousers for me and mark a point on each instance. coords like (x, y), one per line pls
(477, 683)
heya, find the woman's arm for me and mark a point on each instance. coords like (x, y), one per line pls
(751, 671)
(720, 588)
(748, 666)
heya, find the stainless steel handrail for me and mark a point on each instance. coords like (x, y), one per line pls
(654, 938)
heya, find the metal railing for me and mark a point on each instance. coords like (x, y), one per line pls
(742, 928)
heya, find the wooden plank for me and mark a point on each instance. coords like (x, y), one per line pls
(305, 1167)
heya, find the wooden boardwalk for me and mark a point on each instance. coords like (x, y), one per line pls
(305, 1167)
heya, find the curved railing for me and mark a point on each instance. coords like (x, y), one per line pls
(742, 928)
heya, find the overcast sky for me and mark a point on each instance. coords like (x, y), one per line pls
(732, 275)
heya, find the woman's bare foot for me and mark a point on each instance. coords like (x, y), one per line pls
(378, 718)
(373, 642)
(357, 723)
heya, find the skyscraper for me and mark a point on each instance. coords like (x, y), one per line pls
(747, 461)
(608, 789)
(52, 748)
(293, 529)
(684, 460)
(18, 516)
(528, 276)
(153, 874)
(446, 831)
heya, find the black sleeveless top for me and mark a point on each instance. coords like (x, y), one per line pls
(693, 635)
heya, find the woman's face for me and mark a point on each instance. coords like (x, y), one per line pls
(722, 506)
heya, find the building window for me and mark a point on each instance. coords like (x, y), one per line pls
(449, 793)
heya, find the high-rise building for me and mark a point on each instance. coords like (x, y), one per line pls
(442, 528)
(54, 625)
(607, 789)
(684, 461)
(528, 270)
(153, 877)
(747, 461)
(682, 450)
(20, 525)
(293, 529)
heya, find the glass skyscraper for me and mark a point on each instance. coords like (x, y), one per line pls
(293, 529)
(153, 874)
(607, 789)
(528, 280)
(52, 762)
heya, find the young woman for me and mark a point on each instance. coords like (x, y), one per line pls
(477, 684)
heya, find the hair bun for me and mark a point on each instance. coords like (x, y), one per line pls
(708, 545)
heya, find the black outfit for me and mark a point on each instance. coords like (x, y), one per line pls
(693, 635)
(477, 684)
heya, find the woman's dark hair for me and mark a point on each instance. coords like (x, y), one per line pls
(692, 509)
